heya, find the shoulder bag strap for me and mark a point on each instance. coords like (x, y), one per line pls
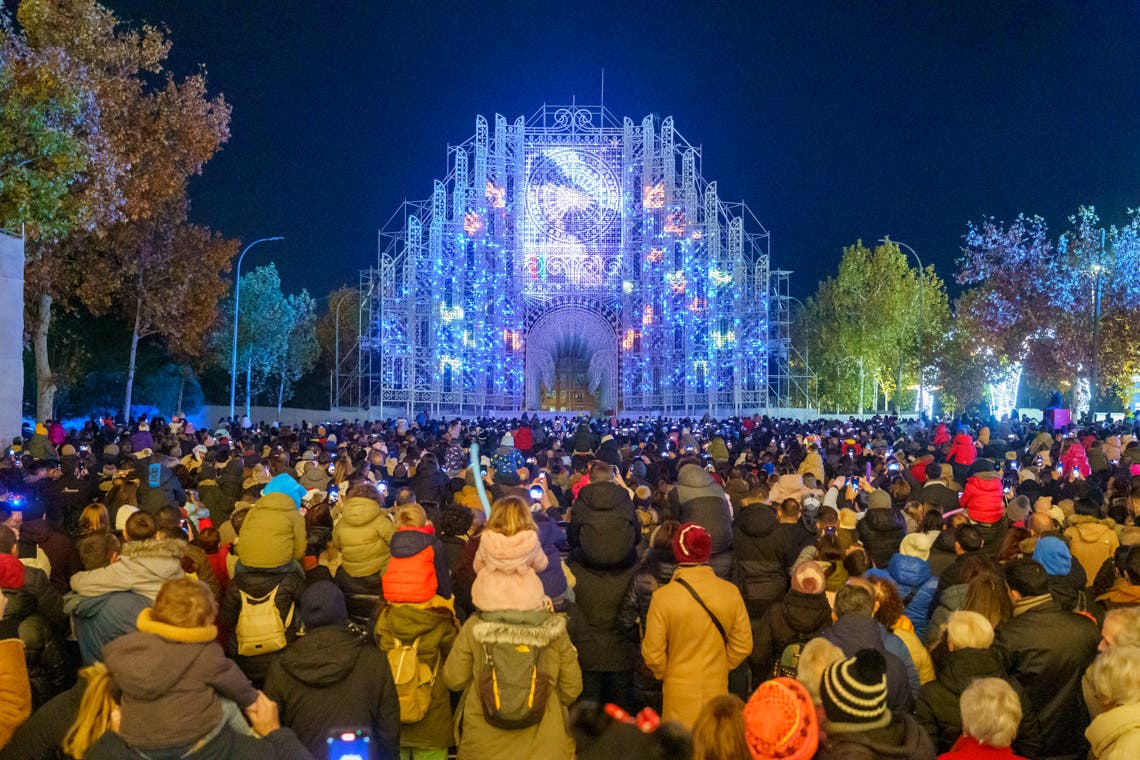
(719, 628)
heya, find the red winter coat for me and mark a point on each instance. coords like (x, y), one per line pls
(918, 469)
(982, 498)
(969, 748)
(941, 435)
(962, 451)
(1075, 457)
(524, 438)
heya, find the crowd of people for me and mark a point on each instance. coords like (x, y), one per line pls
(559, 588)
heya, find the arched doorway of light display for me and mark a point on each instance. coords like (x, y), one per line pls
(571, 361)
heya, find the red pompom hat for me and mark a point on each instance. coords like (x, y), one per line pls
(692, 545)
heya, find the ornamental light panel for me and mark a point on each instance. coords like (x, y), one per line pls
(570, 262)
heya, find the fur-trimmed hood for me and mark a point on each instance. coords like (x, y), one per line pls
(500, 631)
(155, 548)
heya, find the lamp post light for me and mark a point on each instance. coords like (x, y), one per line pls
(237, 302)
(921, 323)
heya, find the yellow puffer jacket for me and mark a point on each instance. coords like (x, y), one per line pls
(273, 533)
(363, 535)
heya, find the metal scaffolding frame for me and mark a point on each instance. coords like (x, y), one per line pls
(573, 224)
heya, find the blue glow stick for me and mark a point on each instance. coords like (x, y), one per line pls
(477, 469)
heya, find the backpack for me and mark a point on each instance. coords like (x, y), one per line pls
(414, 680)
(259, 628)
(511, 687)
(789, 659)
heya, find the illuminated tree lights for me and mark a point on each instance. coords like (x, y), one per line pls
(568, 235)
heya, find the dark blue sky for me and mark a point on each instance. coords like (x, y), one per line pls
(833, 121)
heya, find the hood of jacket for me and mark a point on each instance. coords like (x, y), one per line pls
(757, 520)
(277, 502)
(908, 571)
(903, 738)
(359, 510)
(960, 667)
(540, 633)
(406, 542)
(694, 481)
(806, 613)
(133, 661)
(323, 656)
(883, 520)
(507, 553)
(155, 548)
(1089, 529)
(854, 632)
(286, 485)
(987, 481)
(604, 496)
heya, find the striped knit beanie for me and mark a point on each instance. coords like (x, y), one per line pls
(854, 693)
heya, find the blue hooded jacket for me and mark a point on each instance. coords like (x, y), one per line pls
(909, 573)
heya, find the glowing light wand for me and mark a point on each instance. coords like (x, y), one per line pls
(477, 469)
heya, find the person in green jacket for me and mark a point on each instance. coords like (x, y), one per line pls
(273, 533)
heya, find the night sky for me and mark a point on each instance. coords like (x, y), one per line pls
(833, 121)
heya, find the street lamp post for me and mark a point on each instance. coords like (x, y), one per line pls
(921, 323)
(237, 302)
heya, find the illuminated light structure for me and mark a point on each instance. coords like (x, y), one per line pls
(572, 253)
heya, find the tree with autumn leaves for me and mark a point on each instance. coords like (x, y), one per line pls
(105, 208)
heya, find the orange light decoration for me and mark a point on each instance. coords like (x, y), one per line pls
(655, 256)
(697, 305)
(647, 314)
(472, 223)
(496, 196)
(697, 234)
(629, 339)
(676, 281)
(675, 223)
(513, 339)
(653, 196)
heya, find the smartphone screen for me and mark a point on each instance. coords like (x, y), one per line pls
(349, 745)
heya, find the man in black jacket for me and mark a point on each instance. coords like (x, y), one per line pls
(333, 678)
(603, 536)
(1046, 650)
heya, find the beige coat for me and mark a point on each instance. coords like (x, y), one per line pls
(682, 646)
(1115, 735)
(1092, 542)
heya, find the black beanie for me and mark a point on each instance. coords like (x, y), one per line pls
(323, 604)
(854, 693)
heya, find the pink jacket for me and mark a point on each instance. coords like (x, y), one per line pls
(506, 570)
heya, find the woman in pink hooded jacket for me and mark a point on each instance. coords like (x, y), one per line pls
(508, 560)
